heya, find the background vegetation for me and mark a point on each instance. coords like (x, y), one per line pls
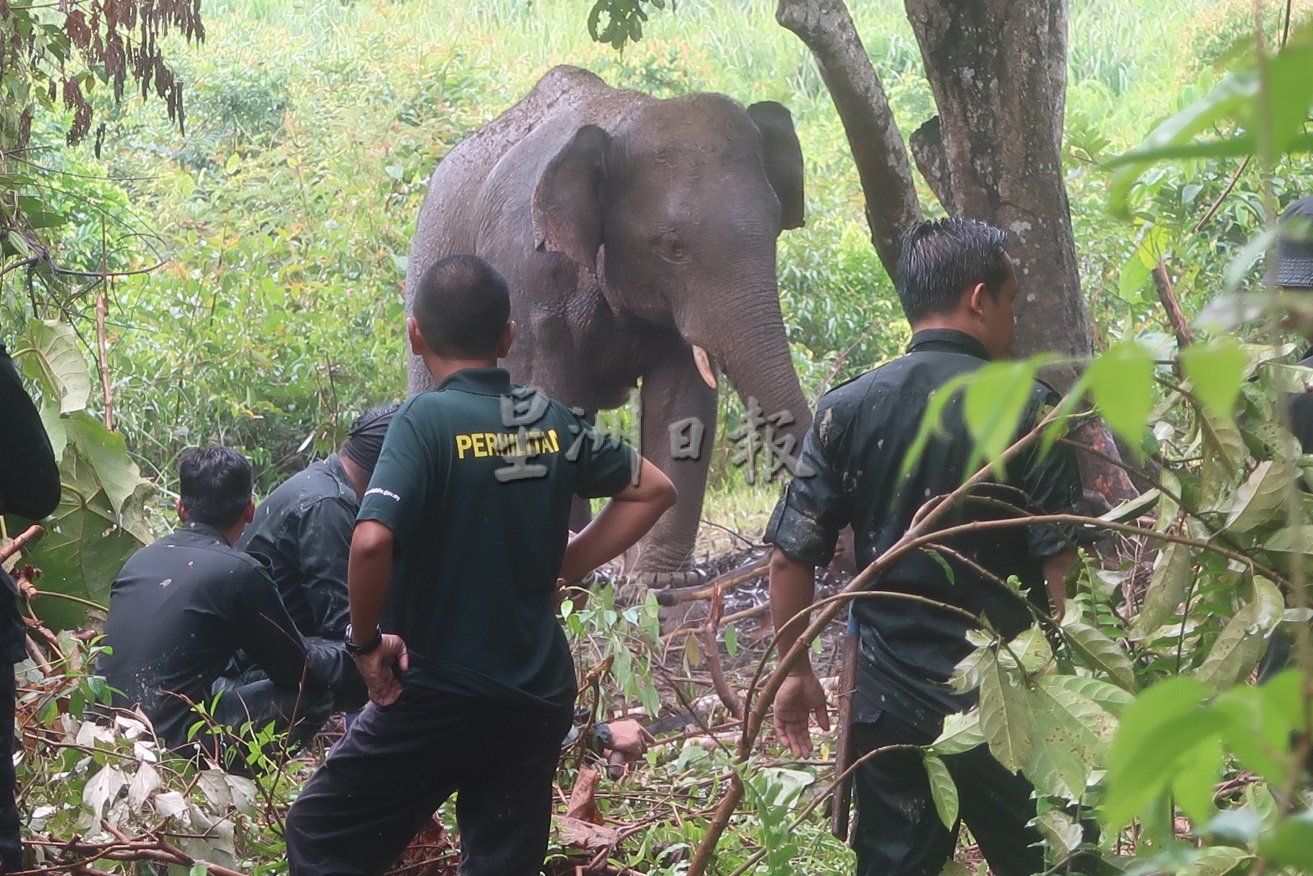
(282, 217)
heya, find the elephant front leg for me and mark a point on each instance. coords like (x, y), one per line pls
(678, 432)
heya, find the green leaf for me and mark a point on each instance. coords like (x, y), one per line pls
(1071, 738)
(1172, 573)
(1262, 496)
(1005, 718)
(1121, 380)
(1031, 648)
(1097, 651)
(85, 546)
(994, 401)
(1177, 132)
(50, 356)
(1243, 640)
(107, 453)
(1259, 724)
(1215, 370)
(943, 790)
(961, 733)
(1196, 778)
(1158, 732)
(731, 642)
(1291, 843)
(1224, 455)
(1109, 696)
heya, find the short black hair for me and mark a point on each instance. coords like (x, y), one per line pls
(940, 259)
(214, 484)
(462, 306)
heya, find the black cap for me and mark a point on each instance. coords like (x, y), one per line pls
(1294, 263)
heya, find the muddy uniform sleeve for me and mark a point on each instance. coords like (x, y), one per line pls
(29, 473)
(325, 545)
(1053, 486)
(814, 507)
(266, 632)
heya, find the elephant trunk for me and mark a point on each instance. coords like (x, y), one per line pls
(749, 344)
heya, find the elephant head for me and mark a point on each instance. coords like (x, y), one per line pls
(676, 210)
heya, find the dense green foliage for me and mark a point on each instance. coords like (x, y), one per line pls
(282, 217)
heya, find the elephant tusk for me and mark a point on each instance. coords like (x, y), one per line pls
(703, 361)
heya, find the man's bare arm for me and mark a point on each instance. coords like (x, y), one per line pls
(621, 523)
(792, 589)
(369, 577)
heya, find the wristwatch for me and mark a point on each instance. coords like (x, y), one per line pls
(357, 650)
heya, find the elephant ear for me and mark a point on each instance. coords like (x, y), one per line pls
(781, 153)
(567, 202)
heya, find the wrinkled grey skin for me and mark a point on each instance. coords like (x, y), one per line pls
(629, 229)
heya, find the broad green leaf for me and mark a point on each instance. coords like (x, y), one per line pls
(1060, 830)
(1097, 651)
(1288, 93)
(943, 790)
(961, 733)
(1243, 640)
(1111, 697)
(1215, 370)
(107, 453)
(1196, 778)
(1157, 733)
(1005, 718)
(1259, 724)
(1134, 508)
(1071, 738)
(85, 545)
(1291, 843)
(994, 401)
(1172, 573)
(1263, 494)
(50, 356)
(1031, 648)
(732, 642)
(1218, 861)
(1223, 458)
(1121, 380)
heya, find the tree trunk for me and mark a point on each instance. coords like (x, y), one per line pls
(876, 143)
(998, 70)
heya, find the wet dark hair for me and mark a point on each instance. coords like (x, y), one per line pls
(214, 485)
(941, 259)
(365, 440)
(462, 306)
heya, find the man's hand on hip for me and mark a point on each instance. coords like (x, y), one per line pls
(800, 697)
(376, 669)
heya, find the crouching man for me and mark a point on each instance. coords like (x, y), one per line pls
(182, 607)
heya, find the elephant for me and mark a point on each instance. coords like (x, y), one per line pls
(638, 238)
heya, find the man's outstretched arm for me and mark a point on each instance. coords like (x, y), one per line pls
(792, 589)
(621, 523)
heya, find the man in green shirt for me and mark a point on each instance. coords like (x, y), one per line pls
(462, 538)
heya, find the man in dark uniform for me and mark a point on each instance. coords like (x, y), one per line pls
(462, 535)
(304, 528)
(957, 287)
(184, 605)
(29, 487)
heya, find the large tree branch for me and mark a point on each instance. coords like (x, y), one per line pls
(876, 143)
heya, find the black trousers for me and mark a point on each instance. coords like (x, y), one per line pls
(11, 847)
(397, 764)
(899, 832)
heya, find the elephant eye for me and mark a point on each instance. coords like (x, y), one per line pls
(671, 248)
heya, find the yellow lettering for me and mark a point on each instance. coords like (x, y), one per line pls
(477, 441)
(463, 443)
(553, 445)
(491, 439)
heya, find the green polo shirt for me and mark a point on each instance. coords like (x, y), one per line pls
(475, 481)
